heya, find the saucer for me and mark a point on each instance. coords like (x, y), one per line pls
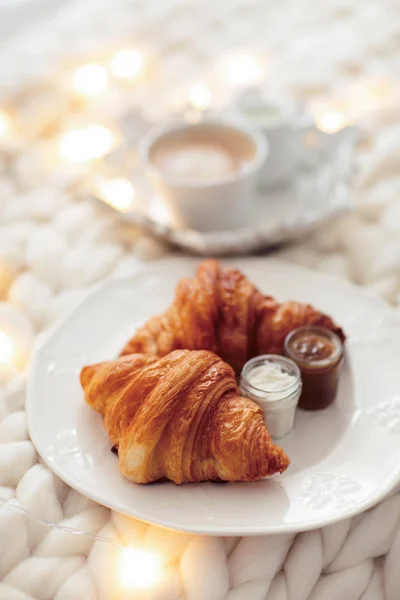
(317, 192)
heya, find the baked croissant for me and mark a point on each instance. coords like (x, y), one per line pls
(220, 310)
(181, 417)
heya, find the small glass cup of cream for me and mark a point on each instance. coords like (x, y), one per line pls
(318, 352)
(274, 383)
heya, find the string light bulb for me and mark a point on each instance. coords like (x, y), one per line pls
(200, 97)
(6, 348)
(86, 144)
(330, 114)
(128, 64)
(16, 336)
(117, 192)
(5, 123)
(8, 368)
(241, 69)
(138, 569)
(331, 121)
(372, 94)
(90, 80)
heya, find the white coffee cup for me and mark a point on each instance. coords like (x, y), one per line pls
(205, 171)
(283, 129)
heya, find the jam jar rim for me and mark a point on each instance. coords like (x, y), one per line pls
(287, 391)
(315, 364)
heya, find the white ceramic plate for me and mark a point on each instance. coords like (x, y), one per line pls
(344, 459)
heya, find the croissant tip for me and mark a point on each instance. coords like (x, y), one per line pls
(284, 462)
(278, 462)
(87, 373)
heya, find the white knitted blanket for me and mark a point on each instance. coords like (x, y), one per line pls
(56, 544)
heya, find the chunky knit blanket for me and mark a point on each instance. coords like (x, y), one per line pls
(56, 544)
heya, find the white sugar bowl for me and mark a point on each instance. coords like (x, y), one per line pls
(284, 128)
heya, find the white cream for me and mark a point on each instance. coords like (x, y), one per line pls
(270, 377)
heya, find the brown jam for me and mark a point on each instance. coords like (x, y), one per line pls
(311, 346)
(318, 352)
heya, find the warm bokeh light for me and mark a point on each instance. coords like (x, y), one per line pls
(85, 144)
(16, 337)
(118, 193)
(8, 366)
(372, 94)
(200, 96)
(331, 121)
(138, 569)
(241, 69)
(5, 123)
(361, 98)
(128, 64)
(6, 348)
(90, 80)
(159, 210)
(330, 114)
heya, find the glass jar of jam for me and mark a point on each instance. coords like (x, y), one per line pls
(318, 352)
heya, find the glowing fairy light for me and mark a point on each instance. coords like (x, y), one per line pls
(330, 114)
(138, 569)
(90, 80)
(6, 349)
(241, 69)
(5, 124)
(372, 94)
(85, 144)
(16, 336)
(128, 64)
(331, 121)
(118, 193)
(8, 368)
(200, 97)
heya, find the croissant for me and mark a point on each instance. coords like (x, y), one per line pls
(220, 310)
(181, 417)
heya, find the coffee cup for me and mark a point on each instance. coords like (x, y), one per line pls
(205, 171)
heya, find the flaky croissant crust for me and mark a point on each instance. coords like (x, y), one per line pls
(181, 417)
(220, 310)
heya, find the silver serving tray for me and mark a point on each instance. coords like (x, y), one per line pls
(318, 191)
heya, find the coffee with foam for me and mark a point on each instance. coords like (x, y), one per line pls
(202, 154)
